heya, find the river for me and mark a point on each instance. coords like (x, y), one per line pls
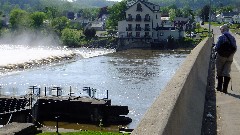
(133, 77)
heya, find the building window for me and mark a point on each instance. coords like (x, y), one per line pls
(129, 18)
(139, 7)
(156, 17)
(147, 17)
(129, 28)
(146, 34)
(129, 25)
(147, 27)
(137, 34)
(129, 34)
(138, 17)
(138, 28)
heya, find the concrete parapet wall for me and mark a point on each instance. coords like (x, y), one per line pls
(179, 108)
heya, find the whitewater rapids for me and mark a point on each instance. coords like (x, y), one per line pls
(15, 57)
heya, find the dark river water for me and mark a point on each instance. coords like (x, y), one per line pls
(134, 78)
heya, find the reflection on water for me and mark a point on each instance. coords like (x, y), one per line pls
(134, 78)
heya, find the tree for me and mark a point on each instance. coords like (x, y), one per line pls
(164, 10)
(59, 24)
(198, 26)
(205, 13)
(90, 13)
(172, 7)
(51, 12)
(116, 13)
(37, 19)
(1, 21)
(90, 33)
(226, 9)
(102, 11)
(19, 19)
(172, 14)
(186, 12)
(6, 7)
(70, 37)
(70, 15)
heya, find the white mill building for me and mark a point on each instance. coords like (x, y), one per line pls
(143, 25)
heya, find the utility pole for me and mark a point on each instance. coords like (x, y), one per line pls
(210, 18)
(57, 117)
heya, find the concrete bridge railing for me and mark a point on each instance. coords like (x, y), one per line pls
(179, 108)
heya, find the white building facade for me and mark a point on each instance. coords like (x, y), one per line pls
(143, 22)
(140, 21)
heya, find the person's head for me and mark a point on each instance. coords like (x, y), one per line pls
(224, 28)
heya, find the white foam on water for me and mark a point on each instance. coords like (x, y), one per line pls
(16, 54)
(92, 52)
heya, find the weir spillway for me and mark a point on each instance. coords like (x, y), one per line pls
(134, 78)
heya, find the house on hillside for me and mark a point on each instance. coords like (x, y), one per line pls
(143, 23)
(98, 26)
(228, 17)
(77, 20)
(236, 18)
(80, 22)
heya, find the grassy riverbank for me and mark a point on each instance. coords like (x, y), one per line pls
(83, 133)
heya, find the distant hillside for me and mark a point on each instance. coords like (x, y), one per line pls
(195, 4)
(93, 3)
(33, 5)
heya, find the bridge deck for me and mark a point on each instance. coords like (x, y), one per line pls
(228, 105)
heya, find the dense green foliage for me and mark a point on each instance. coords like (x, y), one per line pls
(61, 5)
(37, 19)
(71, 37)
(117, 13)
(19, 19)
(89, 33)
(196, 4)
(59, 23)
(90, 13)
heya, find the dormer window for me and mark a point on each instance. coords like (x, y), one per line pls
(139, 7)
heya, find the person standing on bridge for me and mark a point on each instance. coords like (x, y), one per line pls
(223, 63)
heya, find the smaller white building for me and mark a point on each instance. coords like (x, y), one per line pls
(166, 22)
(98, 26)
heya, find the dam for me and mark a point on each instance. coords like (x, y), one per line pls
(134, 78)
